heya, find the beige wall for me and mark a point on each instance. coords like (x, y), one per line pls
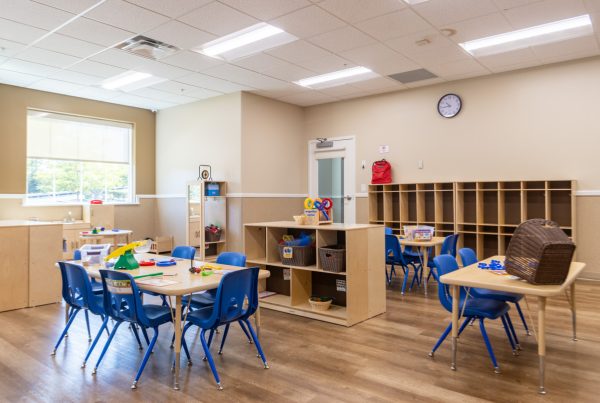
(532, 124)
(14, 102)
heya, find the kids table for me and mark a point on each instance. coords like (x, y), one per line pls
(423, 247)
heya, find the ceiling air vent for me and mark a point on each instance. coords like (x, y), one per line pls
(147, 47)
(412, 76)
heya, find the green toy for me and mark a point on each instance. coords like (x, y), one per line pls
(127, 262)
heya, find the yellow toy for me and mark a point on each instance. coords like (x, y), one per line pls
(126, 259)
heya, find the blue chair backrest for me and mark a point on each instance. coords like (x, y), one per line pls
(467, 256)
(446, 264)
(454, 243)
(79, 288)
(392, 246)
(122, 297)
(66, 293)
(76, 254)
(234, 289)
(447, 245)
(388, 231)
(232, 259)
(184, 252)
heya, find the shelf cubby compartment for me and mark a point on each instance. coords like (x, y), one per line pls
(446, 186)
(510, 185)
(391, 188)
(444, 229)
(256, 243)
(444, 206)
(329, 238)
(408, 206)
(507, 230)
(467, 206)
(510, 207)
(559, 185)
(278, 282)
(428, 207)
(376, 188)
(467, 186)
(392, 206)
(408, 187)
(275, 234)
(503, 241)
(490, 246)
(488, 185)
(467, 240)
(534, 185)
(490, 206)
(376, 207)
(487, 229)
(535, 204)
(560, 202)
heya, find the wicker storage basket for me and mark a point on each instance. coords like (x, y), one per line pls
(333, 258)
(210, 236)
(539, 252)
(300, 255)
(319, 303)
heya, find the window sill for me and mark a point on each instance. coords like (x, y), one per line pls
(26, 204)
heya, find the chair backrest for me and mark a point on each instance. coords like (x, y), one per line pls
(388, 231)
(184, 252)
(454, 243)
(122, 300)
(467, 256)
(234, 290)
(79, 288)
(392, 247)
(66, 294)
(232, 259)
(76, 254)
(446, 248)
(446, 264)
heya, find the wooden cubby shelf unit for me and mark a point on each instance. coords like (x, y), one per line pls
(358, 293)
(485, 214)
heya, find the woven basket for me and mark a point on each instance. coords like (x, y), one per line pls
(333, 258)
(539, 252)
(318, 305)
(301, 255)
(210, 236)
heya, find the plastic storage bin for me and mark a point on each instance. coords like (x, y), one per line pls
(213, 189)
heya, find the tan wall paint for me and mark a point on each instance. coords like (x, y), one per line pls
(588, 222)
(204, 132)
(140, 218)
(530, 124)
(14, 102)
(274, 156)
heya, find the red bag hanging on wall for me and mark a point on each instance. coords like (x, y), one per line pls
(381, 172)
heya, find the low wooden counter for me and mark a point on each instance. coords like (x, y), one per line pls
(28, 252)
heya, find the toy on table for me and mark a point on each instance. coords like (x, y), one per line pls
(147, 262)
(94, 253)
(164, 263)
(96, 230)
(126, 259)
(204, 270)
(493, 265)
(316, 211)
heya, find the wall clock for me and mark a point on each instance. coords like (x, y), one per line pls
(449, 105)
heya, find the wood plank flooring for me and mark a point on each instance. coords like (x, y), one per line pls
(381, 360)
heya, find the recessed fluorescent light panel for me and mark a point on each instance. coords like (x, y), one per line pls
(335, 78)
(413, 2)
(254, 39)
(131, 81)
(538, 35)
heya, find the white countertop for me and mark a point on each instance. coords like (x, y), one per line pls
(26, 223)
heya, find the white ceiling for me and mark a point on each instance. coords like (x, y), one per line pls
(56, 46)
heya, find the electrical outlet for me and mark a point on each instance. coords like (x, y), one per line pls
(363, 164)
(420, 164)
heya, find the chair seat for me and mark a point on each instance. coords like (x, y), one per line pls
(200, 316)
(96, 287)
(200, 300)
(157, 314)
(496, 295)
(485, 308)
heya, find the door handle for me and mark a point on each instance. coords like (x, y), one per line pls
(348, 197)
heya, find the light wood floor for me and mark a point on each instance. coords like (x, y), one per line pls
(383, 359)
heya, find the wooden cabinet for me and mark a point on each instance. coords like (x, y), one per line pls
(45, 243)
(14, 267)
(358, 293)
(194, 235)
(99, 215)
(206, 205)
(71, 240)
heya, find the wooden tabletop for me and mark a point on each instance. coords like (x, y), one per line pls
(106, 233)
(436, 240)
(187, 282)
(472, 276)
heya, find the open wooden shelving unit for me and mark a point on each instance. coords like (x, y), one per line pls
(485, 214)
(364, 295)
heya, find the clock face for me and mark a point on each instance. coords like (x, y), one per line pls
(449, 105)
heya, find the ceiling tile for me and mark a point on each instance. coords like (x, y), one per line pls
(409, 45)
(164, 96)
(171, 8)
(308, 98)
(340, 90)
(281, 92)
(440, 55)
(72, 6)
(15, 78)
(544, 12)
(163, 70)
(455, 68)
(443, 12)
(20, 33)
(475, 28)
(121, 14)
(119, 58)
(212, 83)
(327, 64)
(96, 69)
(75, 77)
(47, 57)
(141, 102)
(399, 23)
(506, 4)
(218, 19)
(290, 73)
(380, 59)
(515, 57)
(34, 14)
(569, 56)
(202, 93)
(424, 83)
(593, 6)
(9, 48)
(22, 66)
(584, 45)
(69, 46)
(96, 93)
(174, 87)
(179, 34)
(241, 76)
(358, 10)
(377, 84)
(309, 21)
(342, 39)
(95, 32)
(518, 66)
(191, 61)
(266, 10)
(60, 87)
(260, 62)
(298, 51)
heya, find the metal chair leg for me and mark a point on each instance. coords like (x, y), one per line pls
(522, 318)
(87, 323)
(211, 363)
(512, 330)
(257, 344)
(65, 330)
(145, 360)
(110, 338)
(102, 328)
(225, 336)
(488, 345)
(446, 333)
(509, 335)
(245, 331)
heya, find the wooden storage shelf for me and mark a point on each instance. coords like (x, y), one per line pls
(204, 210)
(363, 294)
(486, 213)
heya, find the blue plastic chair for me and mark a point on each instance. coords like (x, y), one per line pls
(122, 302)
(234, 289)
(448, 246)
(468, 257)
(96, 285)
(389, 231)
(474, 308)
(180, 252)
(394, 257)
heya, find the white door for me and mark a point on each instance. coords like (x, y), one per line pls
(331, 173)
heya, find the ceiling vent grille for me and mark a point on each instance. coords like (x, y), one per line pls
(147, 47)
(412, 76)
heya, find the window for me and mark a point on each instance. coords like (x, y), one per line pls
(72, 159)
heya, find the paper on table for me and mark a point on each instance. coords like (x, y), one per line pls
(156, 282)
(222, 271)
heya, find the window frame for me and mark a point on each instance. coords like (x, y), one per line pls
(133, 197)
